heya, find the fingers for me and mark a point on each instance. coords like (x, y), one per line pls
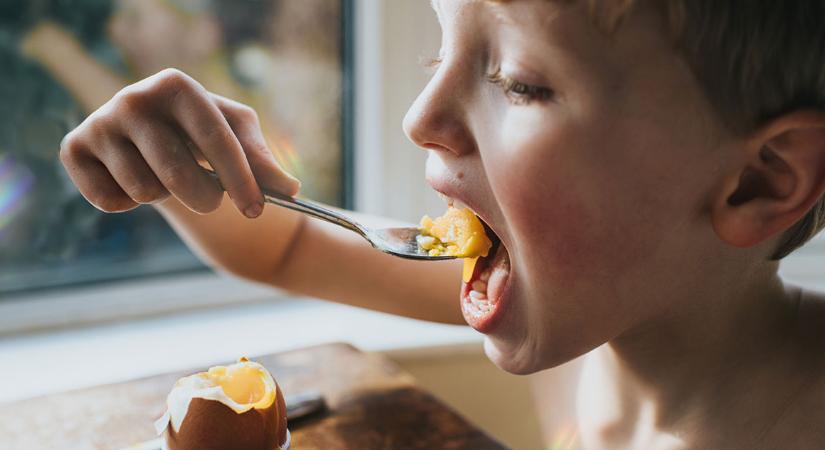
(197, 115)
(141, 147)
(169, 159)
(93, 179)
(128, 169)
(244, 122)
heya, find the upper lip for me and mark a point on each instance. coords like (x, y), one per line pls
(452, 191)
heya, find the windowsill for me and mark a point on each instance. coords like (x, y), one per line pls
(127, 300)
(60, 360)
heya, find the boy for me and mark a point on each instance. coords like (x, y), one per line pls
(643, 166)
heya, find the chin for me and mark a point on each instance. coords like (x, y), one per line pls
(518, 360)
(527, 356)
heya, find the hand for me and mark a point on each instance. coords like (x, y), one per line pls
(143, 145)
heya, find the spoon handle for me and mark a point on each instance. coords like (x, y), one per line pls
(304, 206)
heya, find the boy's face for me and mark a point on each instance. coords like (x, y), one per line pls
(595, 169)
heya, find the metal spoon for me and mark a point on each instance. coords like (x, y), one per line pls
(395, 241)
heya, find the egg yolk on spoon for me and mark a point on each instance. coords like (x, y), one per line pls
(457, 233)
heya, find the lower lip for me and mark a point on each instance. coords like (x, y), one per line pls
(487, 321)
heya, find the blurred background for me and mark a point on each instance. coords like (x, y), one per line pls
(62, 59)
(331, 80)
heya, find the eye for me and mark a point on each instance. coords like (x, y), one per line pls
(520, 93)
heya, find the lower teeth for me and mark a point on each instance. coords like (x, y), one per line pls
(477, 298)
(479, 302)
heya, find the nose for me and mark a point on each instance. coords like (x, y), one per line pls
(437, 120)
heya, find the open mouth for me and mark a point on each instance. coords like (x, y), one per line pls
(482, 297)
(484, 290)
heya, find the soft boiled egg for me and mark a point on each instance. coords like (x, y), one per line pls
(235, 407)
(457, 233)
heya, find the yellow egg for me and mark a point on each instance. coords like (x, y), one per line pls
(457, 233)
(235, 407)
(469, 267)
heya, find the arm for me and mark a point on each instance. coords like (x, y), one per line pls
(288, 250)
(143, 146)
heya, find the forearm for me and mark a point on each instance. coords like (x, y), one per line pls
(329, 262)
(308, 257)
(228, 241)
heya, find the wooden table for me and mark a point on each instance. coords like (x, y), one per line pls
(373, 404)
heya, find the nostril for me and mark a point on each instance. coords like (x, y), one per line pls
(434, 147)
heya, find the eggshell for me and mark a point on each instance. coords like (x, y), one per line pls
(211, 425)
(201, 416)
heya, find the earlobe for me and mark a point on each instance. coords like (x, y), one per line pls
(779, 178)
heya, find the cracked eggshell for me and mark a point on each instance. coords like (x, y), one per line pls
(203, 417)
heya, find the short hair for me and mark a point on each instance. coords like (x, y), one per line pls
(754, 59)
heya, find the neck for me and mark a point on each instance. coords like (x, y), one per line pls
(675, 372)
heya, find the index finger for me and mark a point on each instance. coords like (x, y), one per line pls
(198, 116)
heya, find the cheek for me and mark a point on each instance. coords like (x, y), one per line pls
(579, 206)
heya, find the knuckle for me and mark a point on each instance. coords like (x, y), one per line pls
(172, 75)
(247, 113)
(70, 147)
(145, 94)
(174, 82)
(132, 101)
(98, 127)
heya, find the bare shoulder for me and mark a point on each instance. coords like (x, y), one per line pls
(802, 423)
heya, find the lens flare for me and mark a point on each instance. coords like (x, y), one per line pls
(565, 438)
(285, 153)
(15, 182)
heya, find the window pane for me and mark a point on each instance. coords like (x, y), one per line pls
(61, 60)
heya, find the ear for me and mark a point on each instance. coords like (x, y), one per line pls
(779, 179)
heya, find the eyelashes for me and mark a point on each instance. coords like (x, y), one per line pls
(519, 93)
(430, 64)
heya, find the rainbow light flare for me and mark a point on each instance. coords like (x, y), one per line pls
(285, 154)
(565, 438)
(289, 159)
(15, 182)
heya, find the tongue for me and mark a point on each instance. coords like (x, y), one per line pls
(500, 270)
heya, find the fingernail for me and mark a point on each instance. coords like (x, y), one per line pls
(254, 210)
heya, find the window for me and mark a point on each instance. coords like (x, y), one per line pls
(806, 266)
(61, 60)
